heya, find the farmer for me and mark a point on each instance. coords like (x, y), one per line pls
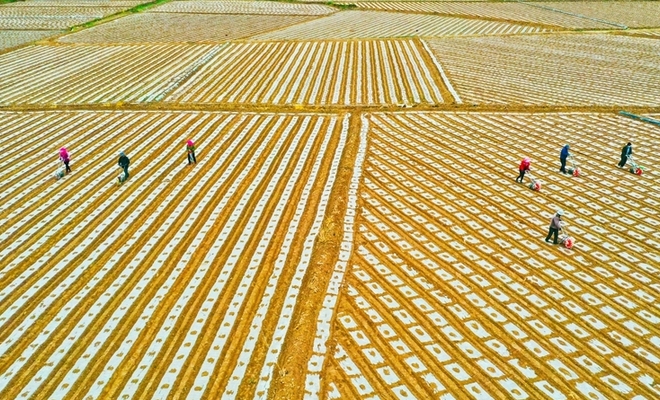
(555, 225)
(123, 163)
(626, 152)
(64, 157)
(190, 148)
(524, 167)
(562, 158)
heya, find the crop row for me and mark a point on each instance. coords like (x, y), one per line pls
(107, 290)
(596, 69)
(507, 11)
(366, 24)
(326, 73)
(244, 7)
(452, 291)
(180, 28)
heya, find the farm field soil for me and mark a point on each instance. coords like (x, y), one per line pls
(244, 7)
(451, 291)
(368, 24)
(78, 3)
(325, 73)
(352, 228)
(33, 22)
(10, 39)
(506, 12)
(9, 10)
(561, 69)
(634, 14)
(80, 74)
(179, 27)
(314, 73)
(181, 274)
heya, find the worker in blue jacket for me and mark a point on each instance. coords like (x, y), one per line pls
(562, 157)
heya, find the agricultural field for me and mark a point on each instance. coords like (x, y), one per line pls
(78, 3)
(51, 17)
(451, 291)
(587, 69)
(368, 24)
(244, 7)
(635, 14)
(352, 227)
(181, 237)
(653, 33)
(70, 74)
(514, 12)
(179, 27)
(14, 38)
(364, 72)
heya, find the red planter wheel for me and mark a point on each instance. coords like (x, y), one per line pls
(568, 243)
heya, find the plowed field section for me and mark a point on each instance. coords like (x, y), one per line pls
(366, 24)
(317, 73)
(635, 14)
(79, 3)
(512, 12)
(15, 38)
(567, 70)
(177, 28)
(175, 283)
(244, 7)
(452, 292)
(97, 74)
(51, 17)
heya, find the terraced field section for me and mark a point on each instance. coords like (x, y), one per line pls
(451, 291)
(367, 24)
(376, 72)
(562, 70)
(179, 27)
(173, 284)
(532, 13)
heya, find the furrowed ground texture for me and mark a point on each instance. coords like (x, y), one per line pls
(352, 228)
(451, 290)
(176, 254)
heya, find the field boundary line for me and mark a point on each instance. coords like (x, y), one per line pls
(186, 74)
(445, 78)
(315, 364)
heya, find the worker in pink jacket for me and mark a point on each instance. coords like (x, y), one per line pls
(524, 167)
(64, 157)
(190, 148)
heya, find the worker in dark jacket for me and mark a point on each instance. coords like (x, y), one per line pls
(123, 163)
(562, 158)
(626, 152)
(555, 225)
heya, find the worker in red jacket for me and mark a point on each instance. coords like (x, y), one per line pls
(524, 167)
